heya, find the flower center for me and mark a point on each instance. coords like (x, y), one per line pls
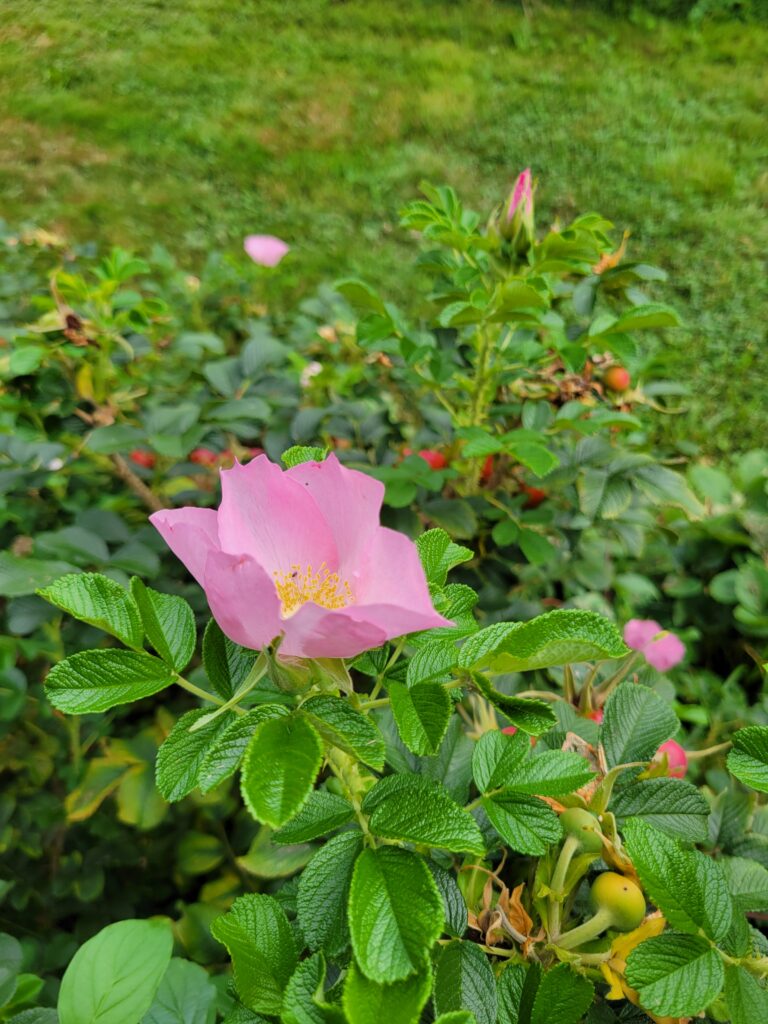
(302, 584)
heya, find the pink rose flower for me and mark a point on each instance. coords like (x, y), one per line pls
(301, 554)
(659, 647)
(266, 250)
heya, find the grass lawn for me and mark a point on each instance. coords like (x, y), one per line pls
(193, 123)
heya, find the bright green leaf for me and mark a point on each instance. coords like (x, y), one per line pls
(182, 753)
(464, 981)
(91, 681)
(322, 898)
(99, 601)
(676, 975)
(421, 713)
(526, 824)
(342, 726)
(280, 767)
(635, 723)
(169, 623)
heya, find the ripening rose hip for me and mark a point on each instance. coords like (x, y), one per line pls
(203, 457)
(617, 378)
(487, 471)
(143, 458)
(434, 459)
(596, 715)
(534, 496)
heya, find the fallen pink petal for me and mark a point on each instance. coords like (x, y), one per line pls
(266, 250)
(301, 554)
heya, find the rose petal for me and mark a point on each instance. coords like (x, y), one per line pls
(392, 574)
(315, 632)
(664, 653)
(639, 632)
(242, 599)
(190, 533)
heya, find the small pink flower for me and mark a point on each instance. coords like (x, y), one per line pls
(522, 195)
(677, 759)
(301, 554)
(661, 649)
(266, 250)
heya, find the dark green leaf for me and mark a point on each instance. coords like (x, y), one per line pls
(748, 759)
(464, 981)
(323, 894)
(279, 768)
(422, 713)
(342, 726)
(524, 823)
(169, 623)
(93, 681)
(322, 813)
(182, 753)
(223, 757)
(636, 722)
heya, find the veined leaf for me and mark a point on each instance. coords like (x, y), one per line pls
(91, 681)
(748, 759)
(280, 767)
(421, 713)
(675, 974)
(100, 602)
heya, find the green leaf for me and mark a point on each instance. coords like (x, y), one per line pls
(434, 660)
(464, 981)
(113, 977)
(439, 555)
(635, 724)
(369, 1002)
(421, 713)
(652, 315)
(747, 1000)
(267, 859)
(100, 602)
(456, 1017)
(524, 823)
(551, 773)
(537, 548)
(300, 453)
(531, 716)
(91, 681)
(322, 813)
(226, 663)
(40, 1015)
(20, 577)
(748, 759)
(395, 913)
(671, 805)
(279, 768)
(556, 638)
(688, 887)
(747, 883)
(323, 892)
(11, 956)
(418, 810)
(360, 295)
(260, 941)
(496, 757)
(510, 986)
(540, 460)
(342, 726)
(186, 996)
(182, 753)
(453, 902)
(563, 997)
(676, 975)
(169, 623)
(304, 997)
(224, 755)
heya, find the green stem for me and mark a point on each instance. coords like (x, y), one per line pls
(610, 684)
(256, 674)
(586, 932)
(557, 884)
(198, 691)
(696, 755)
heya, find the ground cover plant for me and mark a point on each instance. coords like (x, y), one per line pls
(430, 781)
(379, 97)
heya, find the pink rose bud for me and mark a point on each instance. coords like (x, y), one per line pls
(517, 225)
(676, 758)
(266, 250)
(660, 648)
(301, 553)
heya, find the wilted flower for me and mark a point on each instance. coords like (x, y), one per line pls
(301, 554)
(266, 250)
(659, 647)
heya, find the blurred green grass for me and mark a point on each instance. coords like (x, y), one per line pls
(192, 124)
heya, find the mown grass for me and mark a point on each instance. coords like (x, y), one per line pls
(191, 124)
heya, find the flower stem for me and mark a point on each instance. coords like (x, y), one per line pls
(587, 931)
(696, 755)
(198, 691)
(570, 846)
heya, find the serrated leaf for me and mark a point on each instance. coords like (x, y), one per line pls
(395, 913)
(369, 1002)
(422, 713)
(563, 997)
(182, 753)
(675, 974)
(510, 985)
(304, 997)
(747, 883)
(464, 981)
(169, 624)
(439, 555)
(432, 661)
(224, 756)
(688, 887)
(113, 977)
(186, 996)
(260, 941)
(279, 768)
(671, 805)
(323, 892)
(91, 681)
(453, 902)
(531, 716)
(747, 1000)
(556, 638)
(550, 773)
(418, 810)
(540, 460)
(323, 812)
(526, 824)
(99, 601)
(496, 757)
(636, 722)
(342, 726)
(748, 759)
(226, 663)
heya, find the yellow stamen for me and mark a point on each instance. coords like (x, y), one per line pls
(301, 584)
